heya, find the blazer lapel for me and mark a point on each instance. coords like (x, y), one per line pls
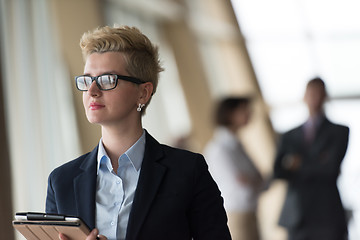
(151, 175)
(320, 139)
(85, 188)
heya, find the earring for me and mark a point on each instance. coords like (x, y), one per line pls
(139, 108)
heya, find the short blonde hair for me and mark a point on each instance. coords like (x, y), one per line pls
(140, 54)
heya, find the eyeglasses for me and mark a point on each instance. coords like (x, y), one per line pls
(104, 82)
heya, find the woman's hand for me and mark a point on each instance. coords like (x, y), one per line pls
(94, 235)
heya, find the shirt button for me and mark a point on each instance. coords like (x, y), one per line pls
(117, 182)
(112, 223)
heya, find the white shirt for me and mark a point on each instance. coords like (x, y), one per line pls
(227, 160)
(115, 192)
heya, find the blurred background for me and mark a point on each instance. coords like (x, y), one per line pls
(209, 49)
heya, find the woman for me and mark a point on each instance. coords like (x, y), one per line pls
(130, 186)
(237, 177)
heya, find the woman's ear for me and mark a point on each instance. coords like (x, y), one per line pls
(146, 90)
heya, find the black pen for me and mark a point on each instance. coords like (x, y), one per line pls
(34, 216)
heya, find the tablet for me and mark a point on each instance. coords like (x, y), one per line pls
(34, 226)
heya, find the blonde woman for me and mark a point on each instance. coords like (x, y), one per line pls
(130, 186)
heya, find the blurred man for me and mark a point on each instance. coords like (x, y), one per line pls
(309, 158)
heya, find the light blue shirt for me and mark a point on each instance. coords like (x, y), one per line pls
(115, 192)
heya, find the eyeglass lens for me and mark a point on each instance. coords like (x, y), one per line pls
(105, 82)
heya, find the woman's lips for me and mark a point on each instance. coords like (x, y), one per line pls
(95, 106)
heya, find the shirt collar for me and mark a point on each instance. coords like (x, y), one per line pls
(135, 154)
(225, 134)
(315, 121)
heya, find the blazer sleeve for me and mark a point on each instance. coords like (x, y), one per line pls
(50, 198)
(208, 218)
(325, 163)
(282, 151)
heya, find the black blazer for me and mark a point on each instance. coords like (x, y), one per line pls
(176, 198)
(312, 198)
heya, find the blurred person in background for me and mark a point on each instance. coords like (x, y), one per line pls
(130, 186)
(309, 159)
(239, 180)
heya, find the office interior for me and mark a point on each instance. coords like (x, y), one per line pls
(209, 48)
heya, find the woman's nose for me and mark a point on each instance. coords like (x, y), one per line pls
(94, 89)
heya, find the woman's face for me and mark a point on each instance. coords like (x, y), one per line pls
(116, 106)
(240, 117)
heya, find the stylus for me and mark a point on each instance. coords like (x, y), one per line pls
(43, 216)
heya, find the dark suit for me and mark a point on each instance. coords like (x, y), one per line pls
(176, 198)
(313, 208)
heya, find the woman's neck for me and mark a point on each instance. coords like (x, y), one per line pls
(117, 141)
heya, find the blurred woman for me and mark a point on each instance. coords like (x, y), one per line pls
(237, 177)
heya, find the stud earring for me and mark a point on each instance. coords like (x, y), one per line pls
(139, 108)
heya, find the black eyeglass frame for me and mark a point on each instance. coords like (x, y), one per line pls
(121, 77)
